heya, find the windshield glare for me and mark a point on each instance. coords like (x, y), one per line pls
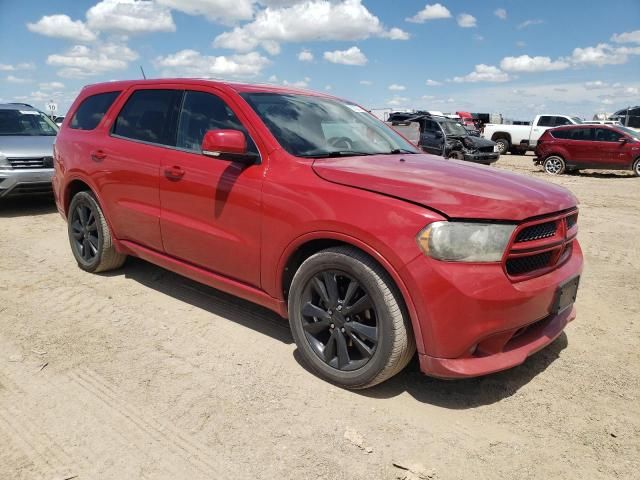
(454, 128)
(26, 123)
(629, 131)
(577, 120)
(309, 126)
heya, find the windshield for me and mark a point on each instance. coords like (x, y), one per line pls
(26, 123)
(454, 128)
(630, 131)
(309, 126)
(577, 120)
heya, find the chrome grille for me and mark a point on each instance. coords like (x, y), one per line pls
(32, 162)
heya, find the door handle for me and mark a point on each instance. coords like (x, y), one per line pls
(174, 173)
(98, 155)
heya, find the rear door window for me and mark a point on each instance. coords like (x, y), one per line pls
(581, 134)
(201, 112)
(91, 110)
(545, 121)
(150, 116)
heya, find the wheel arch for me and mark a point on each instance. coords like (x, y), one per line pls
(307, 245)
(73, 187)
(505, 135)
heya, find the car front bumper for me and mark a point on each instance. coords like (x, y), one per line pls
(484, 158)
(25, 181)
(474, 320)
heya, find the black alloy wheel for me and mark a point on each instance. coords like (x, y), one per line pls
(339, 320)
(84, 232)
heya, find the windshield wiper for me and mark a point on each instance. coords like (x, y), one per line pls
(336, 153)
(397, 151)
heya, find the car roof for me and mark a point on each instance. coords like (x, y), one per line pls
(17, 106)
(238, 87)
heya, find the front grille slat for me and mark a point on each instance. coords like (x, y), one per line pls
(522, 265)
(537, 232)
(35, 162)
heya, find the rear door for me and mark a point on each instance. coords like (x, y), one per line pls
(579, 143)
(432, 138)
(211, 208)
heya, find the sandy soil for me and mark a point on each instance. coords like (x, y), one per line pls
(144, 374)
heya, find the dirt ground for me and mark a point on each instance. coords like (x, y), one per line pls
(141, 374)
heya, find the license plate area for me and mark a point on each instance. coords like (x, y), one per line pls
(565, 295)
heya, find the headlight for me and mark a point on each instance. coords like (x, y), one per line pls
(465, 241)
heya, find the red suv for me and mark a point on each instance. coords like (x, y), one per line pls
(308, 205)
(589, 146)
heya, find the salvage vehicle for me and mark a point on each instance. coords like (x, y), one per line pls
(26, 145)
(519, 139)
(588, 146)
(629, 117)
(443, 136)
(310, 206)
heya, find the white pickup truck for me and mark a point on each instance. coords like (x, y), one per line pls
(520, 138)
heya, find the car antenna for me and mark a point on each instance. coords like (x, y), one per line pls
(142, 71)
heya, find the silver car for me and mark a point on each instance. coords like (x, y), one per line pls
(26, 150)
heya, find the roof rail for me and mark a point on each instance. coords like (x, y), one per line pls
(20, 103)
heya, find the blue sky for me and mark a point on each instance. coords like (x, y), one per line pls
(512, 57)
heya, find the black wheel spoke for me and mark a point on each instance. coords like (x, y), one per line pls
(82, 215)
(351, 290)
(360, 345)
(363, 303)
(330, 348)
(311, 310)
(321, 290)
(86, 249)
(365, 331)
(315, 328)
(332, 288)
(93, 243)
(343, 352)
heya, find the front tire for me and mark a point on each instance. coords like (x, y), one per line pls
(90, 237)
(348, 319)
(554, 165)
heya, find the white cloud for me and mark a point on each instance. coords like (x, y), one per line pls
(61, 26)
(626, 37)
(466, 21)
(298, 84)
(308, 21)
(191, 63)
(596, 85)
(5, 67)
(305, 56)
(430, 12)
(130, 16)
(214, 10)
(396, 87)
(14, 79)
(529, 23)
(84, 61)
(398, 101)
(602, 54)
(350, 56)
(395, 34)
(521, 44)
(525, 63)
(51, 86)
(484, 73)
(432, 83)
(366, 82)
(501, 13)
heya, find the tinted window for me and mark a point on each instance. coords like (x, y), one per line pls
(545, 121)
(563, 134)
(150, 116)
(204, 111)
(559, 121)
(91, 110)
(26, 123)
(606, 135)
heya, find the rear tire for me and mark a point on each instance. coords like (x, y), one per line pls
(554, 165)
(348, 319)
(90, 237)
(503, 145)
(636, 167)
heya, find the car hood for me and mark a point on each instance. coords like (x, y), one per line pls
(21, 146)
(478, 142)
(454, 188)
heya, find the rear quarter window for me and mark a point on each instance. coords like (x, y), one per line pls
(91, 110)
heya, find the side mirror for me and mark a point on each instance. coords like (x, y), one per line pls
(227, 145)
(622, 140)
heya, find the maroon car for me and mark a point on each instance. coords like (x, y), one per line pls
(574, 147)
